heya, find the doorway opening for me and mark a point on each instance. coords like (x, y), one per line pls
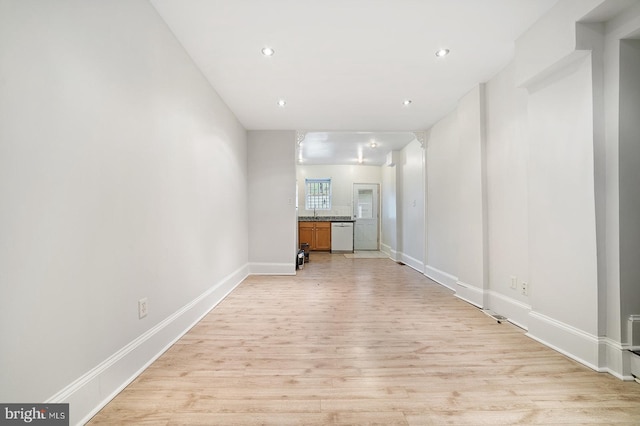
(365, 212)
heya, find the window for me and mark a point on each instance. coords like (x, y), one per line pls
(317, 194)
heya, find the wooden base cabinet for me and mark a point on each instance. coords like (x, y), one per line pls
(323, 236)
(316, 234)
(306, 232)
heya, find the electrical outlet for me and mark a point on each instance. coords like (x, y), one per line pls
(525, 288)
(514, 282)
(142, 308)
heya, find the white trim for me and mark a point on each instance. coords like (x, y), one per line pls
(615, 359)
(412, 262)
(633, 331)
(516, 311)
(554, 71)
(470, 294)
(634, 364)
(256, 268)
(441, 277)
(92, 391)
(566, 339)
(386, 249)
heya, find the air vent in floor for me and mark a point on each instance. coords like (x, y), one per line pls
(499, 318)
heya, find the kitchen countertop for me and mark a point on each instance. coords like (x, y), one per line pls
(325, 219)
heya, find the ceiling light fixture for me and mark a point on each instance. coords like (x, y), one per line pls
(406, 102)
(373, 144)
(442, 52)
(267, 51)
(282, 103)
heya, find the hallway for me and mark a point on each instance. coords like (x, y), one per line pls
(363, 341)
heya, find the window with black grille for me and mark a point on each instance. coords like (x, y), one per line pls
(318, 194)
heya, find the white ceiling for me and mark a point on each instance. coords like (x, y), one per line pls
(347, 65)
(351, 147)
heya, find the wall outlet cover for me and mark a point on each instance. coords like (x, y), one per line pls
(142, 308)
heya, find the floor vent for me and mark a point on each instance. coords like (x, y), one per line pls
(499, 318)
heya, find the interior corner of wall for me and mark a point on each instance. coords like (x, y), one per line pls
(548, 40)
(556, 70)
(589, 35)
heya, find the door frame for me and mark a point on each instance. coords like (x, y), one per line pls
(377, 201)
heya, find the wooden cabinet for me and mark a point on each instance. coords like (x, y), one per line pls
(306, 232)
(323, 236)
(316, 234)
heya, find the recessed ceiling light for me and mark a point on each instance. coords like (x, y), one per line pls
(373, 144)
(442, 52)
(406, 102)
(282, 103)
(267, 51)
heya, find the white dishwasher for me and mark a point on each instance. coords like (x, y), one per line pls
(342, 237)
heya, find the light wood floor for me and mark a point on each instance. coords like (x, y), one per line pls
(363, 341)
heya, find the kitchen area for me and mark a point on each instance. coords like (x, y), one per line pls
(336, 213)
(326, 233)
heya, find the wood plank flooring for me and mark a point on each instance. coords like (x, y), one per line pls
(363, 341)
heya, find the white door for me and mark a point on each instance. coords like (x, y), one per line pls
(365, 212)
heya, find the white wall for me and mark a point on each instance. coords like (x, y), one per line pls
(562, 238)
(629, 157)
(389, 225)
(272, 210)
(442, 201)
(540, 197)
(623, 26)
(342, 179)
(507, 185)
(411, 205)
(456, 229)
(471, 250)
(123, 175)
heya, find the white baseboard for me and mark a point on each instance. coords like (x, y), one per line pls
(91, 392)
(470, 294)
(441, 277)
(393, 254)
(272, 268)
(615, 359)
(411, 262)
(598, 353)
(516, 311)
(566, 339)
(385, 248)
